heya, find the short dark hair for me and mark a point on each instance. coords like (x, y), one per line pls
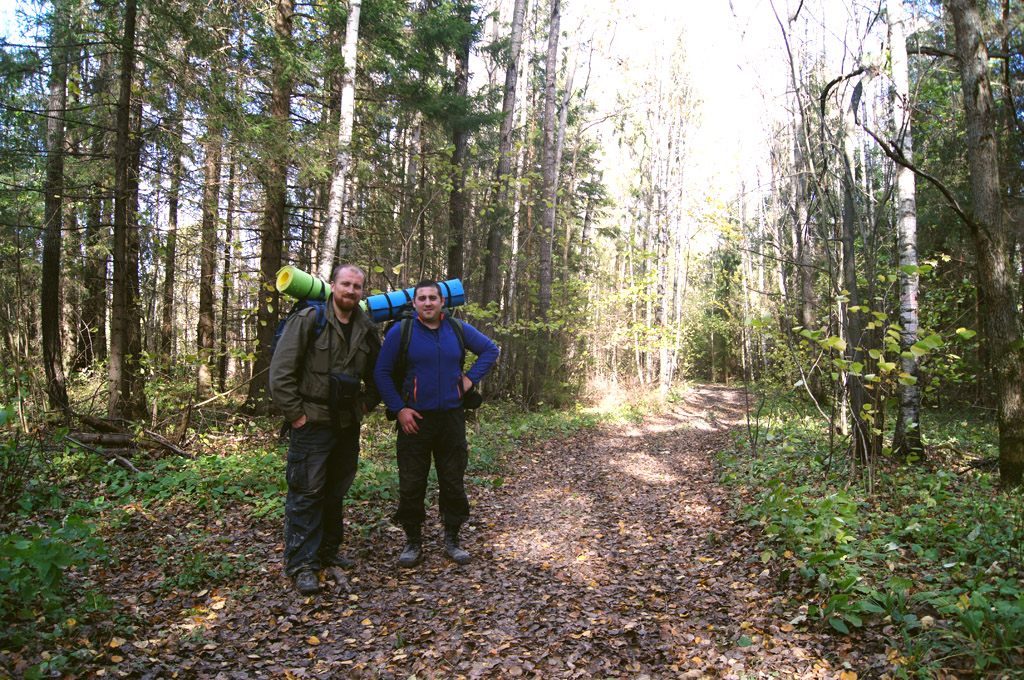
(341, 267)
(428, 283)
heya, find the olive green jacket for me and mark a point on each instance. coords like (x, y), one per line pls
(298, 378)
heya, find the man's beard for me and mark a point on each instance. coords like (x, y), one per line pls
(347, 304)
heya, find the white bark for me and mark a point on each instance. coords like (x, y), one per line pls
(333, 243)
(907, 438)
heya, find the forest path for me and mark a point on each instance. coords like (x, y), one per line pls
(611, 552)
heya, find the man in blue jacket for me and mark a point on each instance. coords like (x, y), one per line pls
(431, 419)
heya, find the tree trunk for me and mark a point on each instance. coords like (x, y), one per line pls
(134, 378)
(411, 213)
(334, 243)
(206, 336)
(549, 189)
(805, 242)
(275, 186)
(229, 220)
(1002, 324)
(457, 201)
(907, 438)
(501, 216)
(120, 293)
(97, 240)
(94, 306)
(170, 248)
(854, 328)
(50, 290)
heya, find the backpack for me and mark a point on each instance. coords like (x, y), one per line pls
(321, 322)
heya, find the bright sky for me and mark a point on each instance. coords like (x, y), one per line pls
(8, 26)
(726, 43)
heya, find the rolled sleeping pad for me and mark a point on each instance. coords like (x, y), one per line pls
(385, 306)
(300, 285)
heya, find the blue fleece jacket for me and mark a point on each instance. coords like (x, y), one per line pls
(432, 367)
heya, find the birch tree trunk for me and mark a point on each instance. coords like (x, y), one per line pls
(334, 243)
(1002, 325)
(907, 437)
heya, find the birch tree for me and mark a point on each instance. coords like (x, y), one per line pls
(907, 438)
(549, 191)
(334, 242)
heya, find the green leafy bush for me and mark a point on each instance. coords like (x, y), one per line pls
(934, 552)
(33, 563)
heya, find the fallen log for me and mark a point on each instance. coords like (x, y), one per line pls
(116, 428)
(121, 439)
(106, 453)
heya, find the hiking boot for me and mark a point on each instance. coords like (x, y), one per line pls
(412, 553)
(452, 548)
(306, 582)
(336, 559)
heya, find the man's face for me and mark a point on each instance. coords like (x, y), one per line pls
(428, 303)
(347, 289)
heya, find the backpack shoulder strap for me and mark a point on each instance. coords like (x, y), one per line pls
(321, 322)
(404, 338)
(460, 334)
(401, 361)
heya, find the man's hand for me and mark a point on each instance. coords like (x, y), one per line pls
(296, 424)
(467, 384)
(407, 418)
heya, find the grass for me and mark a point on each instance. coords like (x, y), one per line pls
(931, 557)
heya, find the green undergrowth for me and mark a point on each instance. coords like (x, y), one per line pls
(70, 516)
(928, 554)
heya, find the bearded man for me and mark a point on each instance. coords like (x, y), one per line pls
(323, 382)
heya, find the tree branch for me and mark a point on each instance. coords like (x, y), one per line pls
(931, 51)
(896, 155)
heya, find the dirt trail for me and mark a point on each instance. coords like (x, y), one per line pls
(609, 553)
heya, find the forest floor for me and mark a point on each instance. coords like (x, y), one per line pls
(612, 552)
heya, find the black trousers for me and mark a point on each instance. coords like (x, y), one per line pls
(442, 435)
(322, 463)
